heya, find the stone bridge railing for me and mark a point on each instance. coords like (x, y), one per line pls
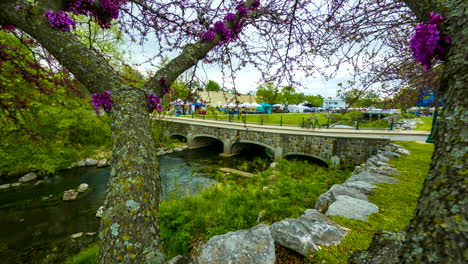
(332, 148)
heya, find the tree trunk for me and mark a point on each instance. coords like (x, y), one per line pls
(129, 229)
(438, 232)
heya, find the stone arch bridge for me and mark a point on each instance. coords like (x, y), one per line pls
(335, 149)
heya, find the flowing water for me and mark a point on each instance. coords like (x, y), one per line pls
(33, 218)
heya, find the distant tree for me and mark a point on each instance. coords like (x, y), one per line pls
(267, 93)
(212, 86)
(315, 100)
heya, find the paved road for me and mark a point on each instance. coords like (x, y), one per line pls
(394, 135)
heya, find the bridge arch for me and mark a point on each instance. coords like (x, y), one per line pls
(202, 140)
(237, 146)
(178, 136)
(308, 155)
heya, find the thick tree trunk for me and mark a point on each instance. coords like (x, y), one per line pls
(439, 231)
(129, 230)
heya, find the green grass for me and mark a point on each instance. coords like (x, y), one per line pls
(237, 202)
(426, 126)
(397, 204)
(86, 256)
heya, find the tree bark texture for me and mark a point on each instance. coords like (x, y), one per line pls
(129, 230)
(438, 233)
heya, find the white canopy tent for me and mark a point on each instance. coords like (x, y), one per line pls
(178, 102)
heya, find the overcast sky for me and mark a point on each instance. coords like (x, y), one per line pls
(246, 80)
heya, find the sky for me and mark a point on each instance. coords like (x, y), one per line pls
(247, 79)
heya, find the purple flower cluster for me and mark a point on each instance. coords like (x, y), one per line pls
(110, 8)
(427, 42)
(60, 20)
(230, 18)
(103, 100)
(7, 27)
(154, 103)
(208, 36)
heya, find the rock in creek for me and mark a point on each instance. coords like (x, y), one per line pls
(28, 177)
(70, 195)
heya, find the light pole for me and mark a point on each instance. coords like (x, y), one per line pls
(430, 138)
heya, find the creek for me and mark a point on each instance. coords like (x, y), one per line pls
(34, 220)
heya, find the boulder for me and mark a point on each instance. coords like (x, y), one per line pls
(351, 208)
(5, 186)
(90, 162)
(389, 154)
(80, 163)
(102, 163)
(100, 212)
(70, 195)
(28, 177)
(253, 246)
(387, 170)
(308, 233)
(38, 182)
(326, 199)
(182, 260)
(82, 188)
(273, 165)
(384, 249)
(77, 235)
(382, 158)
(363, 187)
(372, 178)
(16, 184)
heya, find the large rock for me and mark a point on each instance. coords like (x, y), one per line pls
(80, 163)
(102, 163)
(16, 184)
(5, 186)
(28, 177)
(308, 233)
(364, 187)
(372, 178)
(90, 162)
(83, 187)
(351, 208)
(389, 154)
(384, 249)
(254, 246)
(70, 195)
(326, 199)
(100, 212)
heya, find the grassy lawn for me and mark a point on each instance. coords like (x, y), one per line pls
(396, 203)
(426, 126)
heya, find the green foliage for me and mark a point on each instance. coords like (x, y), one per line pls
(426, 126)
(316, 100)
(238, 203)
(212, 86)
(267, 93)
(45, 126)
(87, 256)
(397, 204)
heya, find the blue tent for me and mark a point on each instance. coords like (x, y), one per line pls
(266, 108)
(198, 104)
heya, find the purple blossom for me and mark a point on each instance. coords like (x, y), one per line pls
(230, 17)
(435, 18)
(103, 100)
(60, 20)
(208, 36)
(243, 11)
(220, 27)
(427, 43)
(154, 103)
(256, 4)
(7, 27)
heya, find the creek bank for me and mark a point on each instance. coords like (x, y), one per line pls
(312, 231)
